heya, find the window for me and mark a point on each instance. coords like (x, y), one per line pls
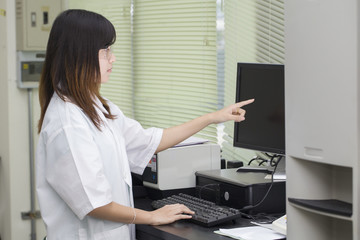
(119, 89)
(176, 60)
(166, 66)
(254, 32)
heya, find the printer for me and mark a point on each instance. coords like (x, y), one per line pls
(175, 167)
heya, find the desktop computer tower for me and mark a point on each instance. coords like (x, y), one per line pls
(242, 190)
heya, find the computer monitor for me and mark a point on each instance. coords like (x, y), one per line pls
(264, 127)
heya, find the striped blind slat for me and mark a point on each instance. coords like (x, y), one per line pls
(174, 62)
(254, 32)
(119, 89)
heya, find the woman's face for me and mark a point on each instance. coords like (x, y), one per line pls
(106, 59)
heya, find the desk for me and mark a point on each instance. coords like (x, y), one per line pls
(182, 229)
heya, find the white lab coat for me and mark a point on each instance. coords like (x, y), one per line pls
(79, 168)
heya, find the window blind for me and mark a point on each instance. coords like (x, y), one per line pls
(254, 32)
(174, 55)
(119, 88)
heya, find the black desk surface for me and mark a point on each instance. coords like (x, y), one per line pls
(181, 229)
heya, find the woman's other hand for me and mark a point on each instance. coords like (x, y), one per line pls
(170, 213)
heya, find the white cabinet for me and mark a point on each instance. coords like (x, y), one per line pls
(322, 118)
(34, 19)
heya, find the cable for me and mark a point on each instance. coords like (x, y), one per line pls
(271, 185)
(257, 158)
(253, 159)
(272, 163)
(263, 160)
(263, 218)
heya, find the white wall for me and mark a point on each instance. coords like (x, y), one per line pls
(4, 153)
(14, 137)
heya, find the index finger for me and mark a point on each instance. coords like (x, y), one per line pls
(187, 210)
(246, 102)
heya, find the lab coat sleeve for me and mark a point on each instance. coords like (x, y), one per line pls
(141, 143)
(74, 170)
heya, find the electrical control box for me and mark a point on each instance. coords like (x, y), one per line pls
(29, 65)
(34, 19)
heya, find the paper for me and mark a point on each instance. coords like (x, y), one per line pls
(251, 233)
(191, 141)
(220, 233)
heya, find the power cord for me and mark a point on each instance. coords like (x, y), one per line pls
(249, 207)
(262, 218)
(258, 158)
(263, 160)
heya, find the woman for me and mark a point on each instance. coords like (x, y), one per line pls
(87, 147)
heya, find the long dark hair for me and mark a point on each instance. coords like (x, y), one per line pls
(71, 67)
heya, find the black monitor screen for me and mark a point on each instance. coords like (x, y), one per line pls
(264, 127)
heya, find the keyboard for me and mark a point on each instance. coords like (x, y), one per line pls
(207, 213)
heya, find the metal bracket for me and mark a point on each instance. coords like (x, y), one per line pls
(31, 215)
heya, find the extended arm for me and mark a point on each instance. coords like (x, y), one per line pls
(174, 135)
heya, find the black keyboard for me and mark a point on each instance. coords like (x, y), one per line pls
(207, 213)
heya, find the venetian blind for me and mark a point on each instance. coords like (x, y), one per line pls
(254, 32)
(174, 55)
(119, 89)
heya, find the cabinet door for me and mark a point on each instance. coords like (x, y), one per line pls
(34, 21)
(321, 80)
